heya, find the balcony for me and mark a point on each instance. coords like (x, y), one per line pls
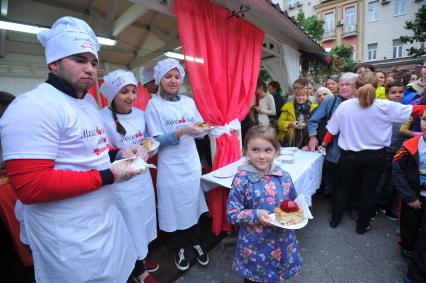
(349, 30)
(329, 35)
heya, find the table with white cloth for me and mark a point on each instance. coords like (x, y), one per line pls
(306, 172)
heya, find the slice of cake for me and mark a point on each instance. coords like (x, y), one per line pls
(289, 213)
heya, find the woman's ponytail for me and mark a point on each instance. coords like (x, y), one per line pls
(366, 84)
(120, 129)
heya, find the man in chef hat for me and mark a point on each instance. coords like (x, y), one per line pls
(58, 160)
(148, 80)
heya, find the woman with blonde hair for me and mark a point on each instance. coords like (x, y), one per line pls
(364, 125)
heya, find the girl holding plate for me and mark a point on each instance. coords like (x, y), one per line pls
(125, 126)
(171, 119)
(264, 253)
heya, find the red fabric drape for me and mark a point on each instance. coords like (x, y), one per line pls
(141, 100)
(223, 86)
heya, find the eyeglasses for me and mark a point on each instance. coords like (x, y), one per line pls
(345, 85)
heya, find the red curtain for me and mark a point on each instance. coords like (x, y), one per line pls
(224, 85)
(141, 100)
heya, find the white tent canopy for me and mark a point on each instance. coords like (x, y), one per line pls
(143, 29)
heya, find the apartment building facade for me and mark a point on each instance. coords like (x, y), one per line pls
(384, 24)
(294, 6)
(343, 24)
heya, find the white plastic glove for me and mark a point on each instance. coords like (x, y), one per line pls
(124, 170)
(189, 131)
(132, 151)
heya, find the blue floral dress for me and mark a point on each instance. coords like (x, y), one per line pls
(263, 254)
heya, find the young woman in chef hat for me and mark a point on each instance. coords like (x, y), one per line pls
(125, 126)
(170, 119)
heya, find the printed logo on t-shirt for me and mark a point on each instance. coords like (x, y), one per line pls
(99, 134)
(180, 123)
(133, 138)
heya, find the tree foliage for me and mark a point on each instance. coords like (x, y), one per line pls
(339, 60)
(312, 25)
(418, 27)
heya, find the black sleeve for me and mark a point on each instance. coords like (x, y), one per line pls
(399, 173)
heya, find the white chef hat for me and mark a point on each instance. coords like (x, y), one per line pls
(146, 75)
(115, 81)
(68, 36)
(166, 65)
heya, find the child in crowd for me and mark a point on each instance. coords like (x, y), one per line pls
(386, 189)
(264, 253)
(409, 173)
(292, 129)
(381, 80)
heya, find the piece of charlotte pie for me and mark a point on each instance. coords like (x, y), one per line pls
(289, 213)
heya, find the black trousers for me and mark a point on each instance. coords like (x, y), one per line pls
(367, 166)
(330, 177)
(194, 237)
(417, 263)
(386, 191)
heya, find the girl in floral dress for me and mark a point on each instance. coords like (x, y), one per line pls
(264, 253)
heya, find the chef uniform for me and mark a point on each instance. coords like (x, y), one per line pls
(180, 197)
(82, 238)
(134, 198)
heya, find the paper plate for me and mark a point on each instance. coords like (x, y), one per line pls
(224, 174)
(275, 222)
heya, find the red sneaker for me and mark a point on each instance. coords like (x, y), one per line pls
(151, 266)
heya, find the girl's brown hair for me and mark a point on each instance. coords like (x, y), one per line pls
(120, 129)
(263, 132)
(366, 85)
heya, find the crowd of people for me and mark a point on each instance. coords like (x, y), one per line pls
(87, 216)
(368, 124)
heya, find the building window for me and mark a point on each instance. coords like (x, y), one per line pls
(329, 22)
(372, 51)
(350, 19)
(291, 2)
(373, 11)
(397, 48)
(400, 7)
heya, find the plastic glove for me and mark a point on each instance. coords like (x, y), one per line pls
(123, 170)
(189, 131)
(132, 151)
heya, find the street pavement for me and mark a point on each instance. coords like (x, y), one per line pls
(329, 255)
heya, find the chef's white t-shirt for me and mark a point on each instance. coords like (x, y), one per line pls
(134, 123)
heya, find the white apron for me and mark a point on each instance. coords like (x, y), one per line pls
(134, 198)
(180, 197)
(80, 239)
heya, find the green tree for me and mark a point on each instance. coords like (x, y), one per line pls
(337, 61)
(418, 27)
(312, 25)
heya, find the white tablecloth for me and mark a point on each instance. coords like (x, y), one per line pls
(305, 171)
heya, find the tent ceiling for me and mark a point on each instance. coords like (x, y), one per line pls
(144, 29)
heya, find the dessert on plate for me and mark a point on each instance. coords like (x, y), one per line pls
(147, 144)
(201, 126)
(289, 213)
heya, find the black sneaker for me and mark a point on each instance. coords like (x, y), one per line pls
(391, 216)
(363, 230)
(202, 257)
(180, 260)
